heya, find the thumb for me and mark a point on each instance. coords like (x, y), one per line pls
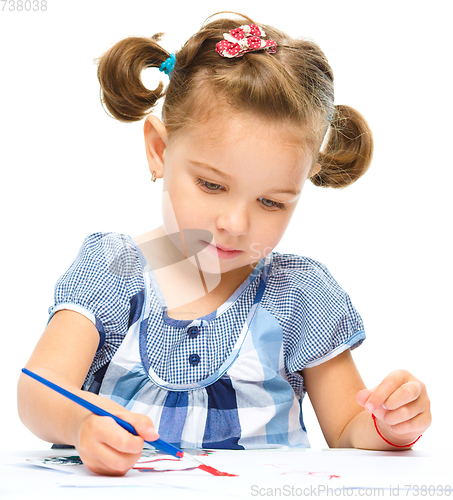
(143, 425)
(363, 395)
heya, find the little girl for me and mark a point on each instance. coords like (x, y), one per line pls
(197, 331)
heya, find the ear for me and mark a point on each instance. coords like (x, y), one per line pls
(155, 144)
(314, 170)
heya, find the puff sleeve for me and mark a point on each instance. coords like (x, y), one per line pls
(317, 316)
(102, 284)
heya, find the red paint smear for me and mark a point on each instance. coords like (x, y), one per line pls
(206, 468)
(151, 469)
(159, 460)
(215, 472)
(319, 474)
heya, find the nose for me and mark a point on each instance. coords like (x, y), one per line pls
(233, 219)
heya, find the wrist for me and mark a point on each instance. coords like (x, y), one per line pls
(397, 441)
(74, 424)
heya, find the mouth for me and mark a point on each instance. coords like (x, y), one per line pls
(227, 249)
(223, 252)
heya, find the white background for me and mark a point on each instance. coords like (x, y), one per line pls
(68, 169)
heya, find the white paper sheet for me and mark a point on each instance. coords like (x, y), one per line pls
(260, 473)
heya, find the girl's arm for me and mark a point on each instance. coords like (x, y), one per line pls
(64, 355)
(400, 404)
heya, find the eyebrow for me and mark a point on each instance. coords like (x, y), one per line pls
(212, 169)
(294, 192)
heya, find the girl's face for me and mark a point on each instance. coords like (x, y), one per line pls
(238, 178)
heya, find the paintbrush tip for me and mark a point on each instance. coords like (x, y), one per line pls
(192, 459)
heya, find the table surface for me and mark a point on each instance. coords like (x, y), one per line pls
(260, 473)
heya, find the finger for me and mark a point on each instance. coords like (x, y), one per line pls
(385, 389)
(402, 414)
(416, 425)
(102, 459)
(112, 462)
(143, 425)
(99, 467)
(122, 440)
(405, 394)
(363, 395)
(108, 432)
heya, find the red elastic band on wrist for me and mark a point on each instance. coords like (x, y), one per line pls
(388, 442)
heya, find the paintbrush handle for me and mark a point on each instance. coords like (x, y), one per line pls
(161, 445)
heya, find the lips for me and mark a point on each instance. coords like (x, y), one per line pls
(227, 249)
(223, 252)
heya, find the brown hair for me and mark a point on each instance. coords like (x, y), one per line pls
(294, 85)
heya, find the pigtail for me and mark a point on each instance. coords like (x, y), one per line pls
(119, 73)
(348, 150)
(293, 86)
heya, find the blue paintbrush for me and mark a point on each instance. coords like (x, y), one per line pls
(159, 444)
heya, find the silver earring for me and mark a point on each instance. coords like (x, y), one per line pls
(153, 176)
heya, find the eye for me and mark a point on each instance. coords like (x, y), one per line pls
(269, 204)
(208, 186)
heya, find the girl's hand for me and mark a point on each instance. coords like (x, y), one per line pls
(106, 448)
(401, 406)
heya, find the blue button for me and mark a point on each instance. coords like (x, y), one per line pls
(194, 359)
(193, 332)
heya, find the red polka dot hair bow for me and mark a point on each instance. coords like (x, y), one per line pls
(247, 38)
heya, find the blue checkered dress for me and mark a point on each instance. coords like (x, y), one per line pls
(226, 380)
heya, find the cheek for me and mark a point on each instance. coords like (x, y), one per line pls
(183, 207)
(174, 203)
(175, 197)
(262, 242)
(268, 232)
